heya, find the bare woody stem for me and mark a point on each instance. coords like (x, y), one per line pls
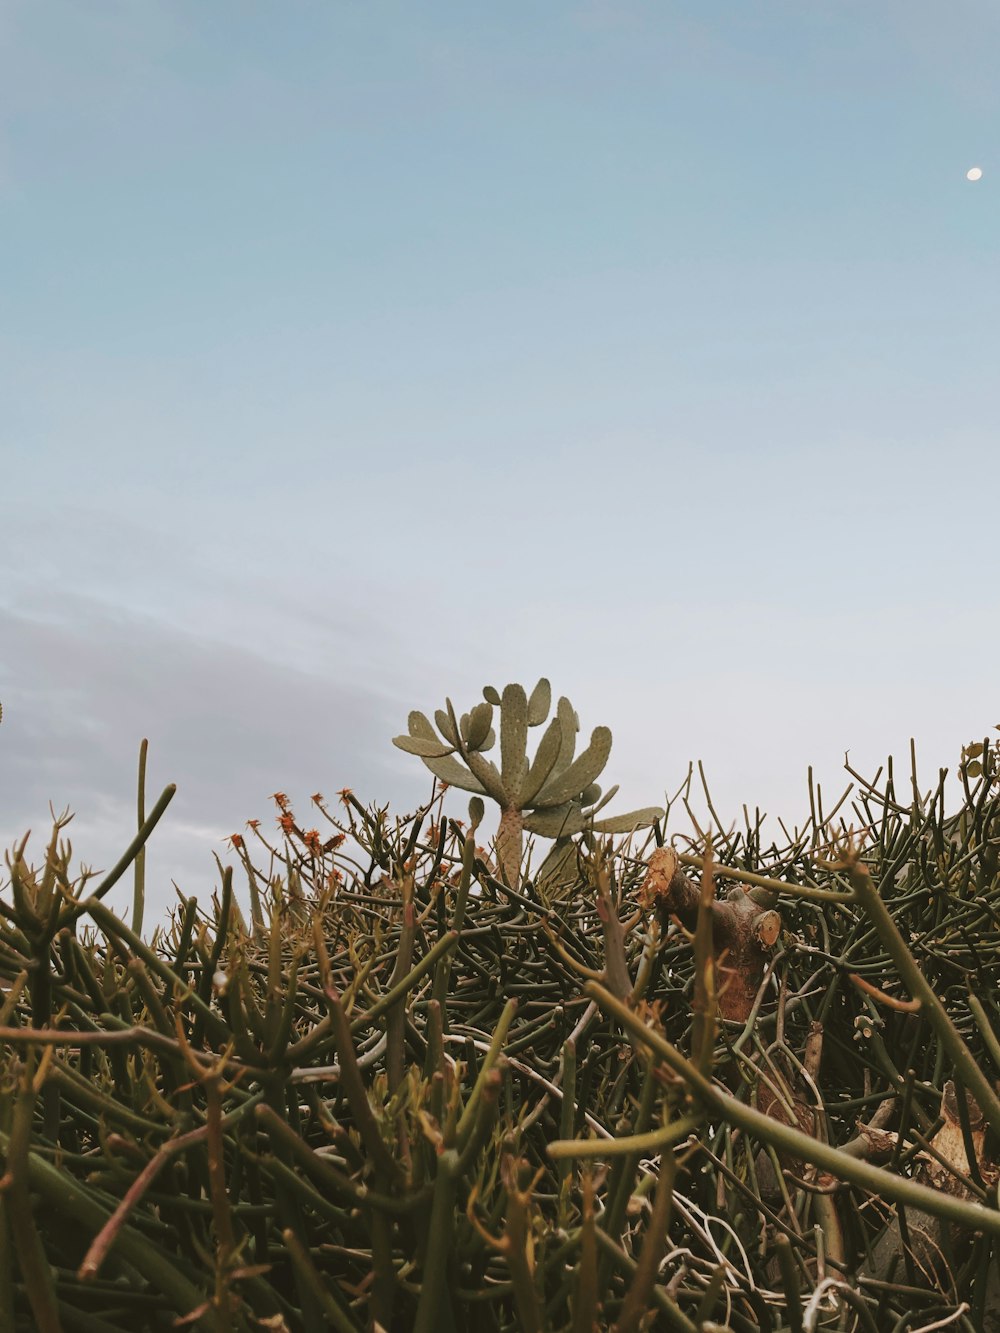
(742, 928)
(510, 846)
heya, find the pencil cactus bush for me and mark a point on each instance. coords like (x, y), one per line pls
(360, 1105)
(553, 793)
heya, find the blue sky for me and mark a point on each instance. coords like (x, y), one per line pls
(355, 355)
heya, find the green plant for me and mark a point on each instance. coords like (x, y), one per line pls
(365, 1106)
(554, 794)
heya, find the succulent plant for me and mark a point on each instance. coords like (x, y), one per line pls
(554, 794)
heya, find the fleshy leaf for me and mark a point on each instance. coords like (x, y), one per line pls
(513, 738)
(560, 864)
(539, 703)
(491, 696)
(419, 725)
(426, 749)
(480, 722)
(446, 727)
(570, 726)
(543, 762)
(581, 772)
(452, 771)
(561, 822)
(489, 777)
(608, 796)
(635, 819)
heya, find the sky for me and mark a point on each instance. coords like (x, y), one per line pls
(357, 355)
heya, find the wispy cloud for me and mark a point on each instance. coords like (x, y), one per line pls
(82, 683)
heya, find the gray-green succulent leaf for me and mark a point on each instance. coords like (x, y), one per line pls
(608, 796)
(635, 819)
(568, 726)
(454, 772)
(543, 762)
(559, 822)
(426, 749)
(419, 725)
(489, 777)
(447, 726)
(581, 772)
(479, 726)
(513, 737)
(539, 703)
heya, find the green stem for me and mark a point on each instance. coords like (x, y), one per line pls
(112, 925)
(36, 1273)
(468, 1118)
(64, 1195)
(796, 1144)
(395, 1023)
(6, 1267)
(75, 910)
(789, 1282)
(430, 1316)
(965, 1063)
(139, 889)
(395, 993)
(567, 1113)
(642, 1144)
(442, 976)
(337, 1319)
(654, 1242)
(985, 1030)
(357, 1095)
(763, 882)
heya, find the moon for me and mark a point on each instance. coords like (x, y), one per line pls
(974, 174)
